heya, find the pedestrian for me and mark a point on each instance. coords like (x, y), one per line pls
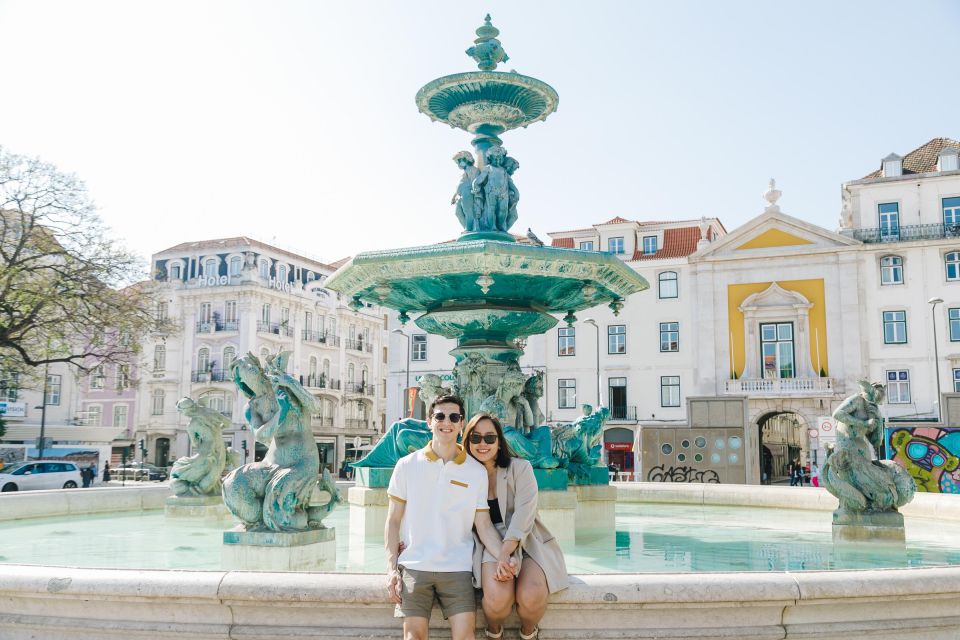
(791, 474)
(93, 473)
(815, 475)
(85, 477)
(797, 473)
(438, 494)
(106, 472)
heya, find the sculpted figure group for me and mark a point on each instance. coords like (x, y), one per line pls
(486, 198)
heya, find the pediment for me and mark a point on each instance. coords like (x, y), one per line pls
(775, 297)
(773, 233)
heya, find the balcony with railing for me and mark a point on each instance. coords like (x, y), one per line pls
(320, 382)
(210, 375)
(767, 387)
(622, 413)
(322, 421)
(275, 328)
(320, 337)
(356, 423)
(906, 233)
(360, 345)
(211, 326)
(361, 388)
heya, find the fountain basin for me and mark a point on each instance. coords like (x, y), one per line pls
(54, 602)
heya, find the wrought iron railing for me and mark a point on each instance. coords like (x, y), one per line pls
(322, 421)
(356, 423)
(210, 375)
(364, 388)
(906, 233)
(623, 412)
(320, 382)
(363, 346)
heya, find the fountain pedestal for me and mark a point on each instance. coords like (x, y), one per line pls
(199, 509)
(312, 550)
(368, 510)
(558, 513)
(885, 526)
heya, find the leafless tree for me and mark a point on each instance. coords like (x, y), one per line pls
(68, 291)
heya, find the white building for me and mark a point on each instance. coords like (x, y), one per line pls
(236, 295)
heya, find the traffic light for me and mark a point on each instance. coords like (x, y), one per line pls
(243, 445)
(143, 448)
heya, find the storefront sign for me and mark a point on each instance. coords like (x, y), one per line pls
(212, 281)
(13, 409)
(618, 446)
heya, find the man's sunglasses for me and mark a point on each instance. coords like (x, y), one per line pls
(439, 416)
(489, 438)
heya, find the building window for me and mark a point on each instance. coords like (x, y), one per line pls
(351, 373)
(617, 394)
(776, 350)
(953, 317)
(952, 262)
(230, 311)
(419, 348)
(891, 270)
(898, 387)
(669, 391)
(210, 268)
(669, 336)
(203, 359)
(282, 273)
(617, 338)
(285, 316)
(894, 327)
(235, 264)
(206, 311)
(265, 314)
(668, 284)
(892, 166)
(175, 272)
(567, 393)
(123, 377)
(951, 213)
(163, 309)
(93, 416)
(53, 390)
(120, 415)
(889, 221)
(586, 245)
(948, 160)
(615, 245)
(649, 245)
(264, 269)
(956, 380)
(567, 341)
(229, 355)
(160, 358)
(98, 377)
(9, 386)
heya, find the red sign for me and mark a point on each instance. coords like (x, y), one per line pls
(618, 446)
(411, 400)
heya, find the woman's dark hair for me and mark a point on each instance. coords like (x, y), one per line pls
(442, 400)
(503, 450)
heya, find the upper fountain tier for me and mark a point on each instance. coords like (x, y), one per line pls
(487, 102)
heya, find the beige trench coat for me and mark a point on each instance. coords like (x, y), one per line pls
(517, 494)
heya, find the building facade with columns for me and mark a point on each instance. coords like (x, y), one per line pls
(236, 295)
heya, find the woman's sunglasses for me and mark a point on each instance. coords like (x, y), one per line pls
(489, 438)
(440, 417)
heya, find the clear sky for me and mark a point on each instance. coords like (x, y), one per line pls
(294, 122)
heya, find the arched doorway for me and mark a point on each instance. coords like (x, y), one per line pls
(781, 440)
(618, 445)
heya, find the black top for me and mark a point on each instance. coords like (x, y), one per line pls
(495, 515)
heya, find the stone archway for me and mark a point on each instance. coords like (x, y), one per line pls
(781, 438)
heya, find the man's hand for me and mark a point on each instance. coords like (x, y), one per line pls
(393, 586)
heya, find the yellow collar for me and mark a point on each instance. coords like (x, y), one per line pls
(433, 457)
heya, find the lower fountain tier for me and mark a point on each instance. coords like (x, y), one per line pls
(485, 324)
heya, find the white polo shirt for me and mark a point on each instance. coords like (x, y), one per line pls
(441, 501)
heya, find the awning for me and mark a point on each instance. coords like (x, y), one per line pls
(89, 435)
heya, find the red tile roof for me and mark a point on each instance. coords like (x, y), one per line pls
(923, 159)
(566, 243)
(617, 220)
(677, 243)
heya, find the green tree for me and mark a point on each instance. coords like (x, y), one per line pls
(67, 289)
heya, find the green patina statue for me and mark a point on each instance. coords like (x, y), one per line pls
(200, 474)
(580, 444)
(491, 192)
(274, 493)
(487, 50)
(852, 472)
(463, 199)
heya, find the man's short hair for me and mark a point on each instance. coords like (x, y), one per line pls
(445, 398)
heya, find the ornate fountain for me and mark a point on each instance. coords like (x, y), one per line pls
(486, 290)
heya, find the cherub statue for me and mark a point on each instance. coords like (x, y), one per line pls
(512, 407)
(580, 443)
(463, 197)
(851, 471)
(431, 386)
(470, 372)
(510, 165)
(492, 183)
(199, 474)
(532, 392)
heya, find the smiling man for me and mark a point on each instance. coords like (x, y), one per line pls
(437, 495)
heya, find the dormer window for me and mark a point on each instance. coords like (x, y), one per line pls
(649, 245)
(892, 166)
(210, 267)
(615, 245)
(949, 159)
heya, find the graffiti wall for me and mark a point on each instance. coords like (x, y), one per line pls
(693, 455)
(930, 454)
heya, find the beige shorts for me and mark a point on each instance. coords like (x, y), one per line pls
(418, 589)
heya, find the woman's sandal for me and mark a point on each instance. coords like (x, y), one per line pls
(533, 635)
(492, 635)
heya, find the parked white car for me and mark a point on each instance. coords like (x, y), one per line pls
(40, 474)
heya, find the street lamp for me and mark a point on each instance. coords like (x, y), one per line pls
(597, 327)
(43, 413)
(933, 302)
(406, 388)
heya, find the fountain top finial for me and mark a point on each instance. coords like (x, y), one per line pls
(487, 50)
